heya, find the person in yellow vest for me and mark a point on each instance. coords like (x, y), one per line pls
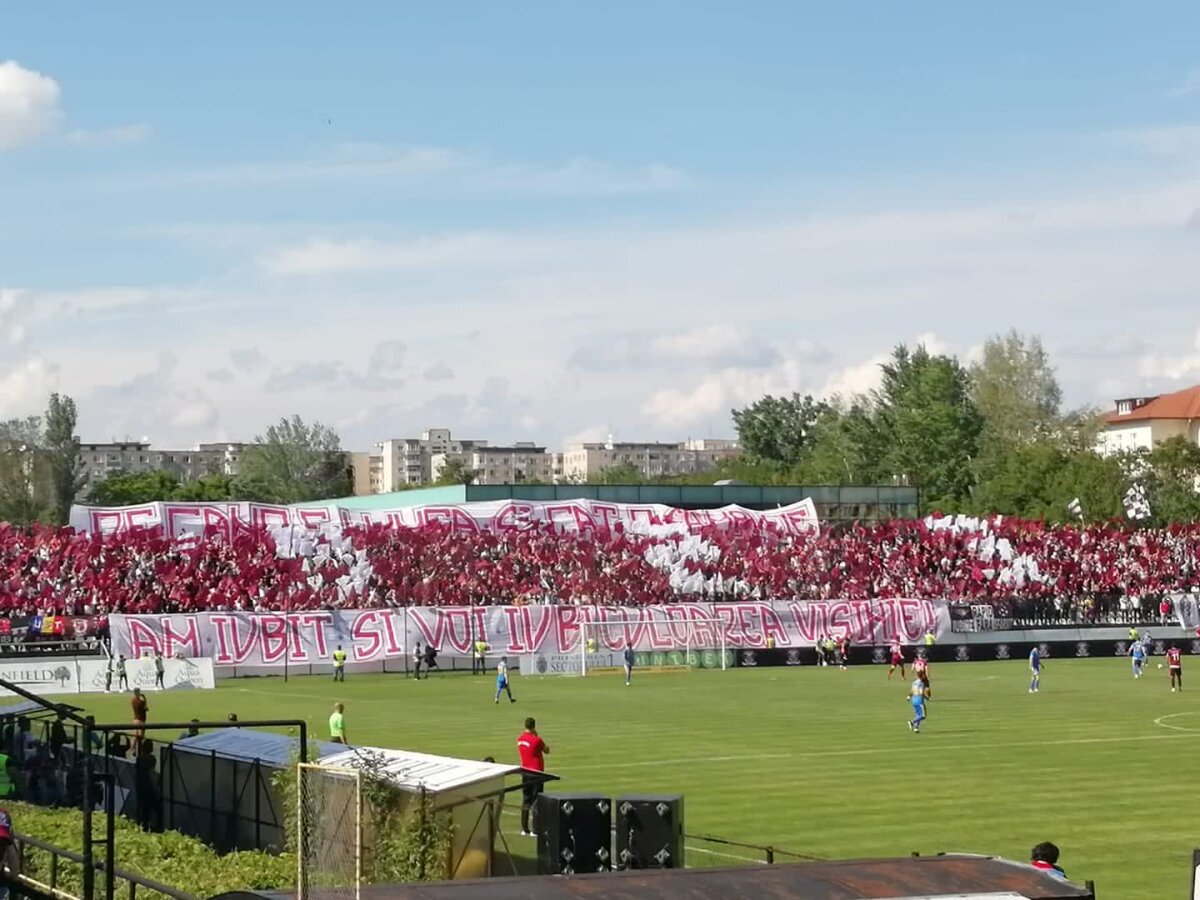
(479, 658)
(337, 724)
(591, 645)
(339, 664)
(930, 640)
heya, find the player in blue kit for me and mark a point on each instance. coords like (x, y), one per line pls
(1138, 653)
(629, 657)
(502, 681)
(916, 695)
(1035, 670)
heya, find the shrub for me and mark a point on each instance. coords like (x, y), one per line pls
(184, 863)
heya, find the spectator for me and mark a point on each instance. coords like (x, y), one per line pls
(1044, 856)
(193, 730)
(10, 861)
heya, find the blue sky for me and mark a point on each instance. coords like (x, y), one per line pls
(549, 221)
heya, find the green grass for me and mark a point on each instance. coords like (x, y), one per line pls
(820, 761)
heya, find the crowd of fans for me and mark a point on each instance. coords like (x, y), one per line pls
(1049, 572)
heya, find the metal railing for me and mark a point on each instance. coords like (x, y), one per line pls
(60, 856)
(766, 854)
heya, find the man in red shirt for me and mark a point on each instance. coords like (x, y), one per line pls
(533, 752)
(1175, 665)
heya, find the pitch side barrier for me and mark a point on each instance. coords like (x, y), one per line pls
(1052, 643)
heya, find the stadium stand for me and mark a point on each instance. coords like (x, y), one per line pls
(58, 586)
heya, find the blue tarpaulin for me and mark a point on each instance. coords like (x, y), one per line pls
(246, 743)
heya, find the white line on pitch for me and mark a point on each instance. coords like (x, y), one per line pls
(870, 751)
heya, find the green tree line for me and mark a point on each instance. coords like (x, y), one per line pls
(989, 437)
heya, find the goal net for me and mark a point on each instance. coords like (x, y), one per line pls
(656, 643)
(329, 845)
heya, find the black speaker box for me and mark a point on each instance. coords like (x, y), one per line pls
(574, 834)
(650, 831)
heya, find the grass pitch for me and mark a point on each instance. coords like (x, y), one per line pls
(819, 761)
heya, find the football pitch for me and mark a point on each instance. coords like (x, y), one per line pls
(818, 761)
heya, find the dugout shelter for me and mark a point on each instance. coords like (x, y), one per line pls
(471, 793)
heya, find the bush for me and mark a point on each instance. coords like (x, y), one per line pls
(182, 862)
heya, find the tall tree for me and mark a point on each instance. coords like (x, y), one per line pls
(927, 425)
(844, 449)
(61, 446)
(1016, 391)
(24, 490)
(778, 429)
(294, 462)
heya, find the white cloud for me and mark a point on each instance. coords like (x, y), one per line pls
(325, 257)
(1173, 364)
(109, 137)
(25, 386)
(719, 344)
(29, 105)
(715, 395)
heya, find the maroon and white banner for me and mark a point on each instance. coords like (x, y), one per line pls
(181, 520)
(371, 635)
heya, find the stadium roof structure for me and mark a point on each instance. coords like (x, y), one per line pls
(248, 744)
(952, 877)
(421, 770)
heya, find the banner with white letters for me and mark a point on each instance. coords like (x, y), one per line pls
(193, 520)
(370, 635)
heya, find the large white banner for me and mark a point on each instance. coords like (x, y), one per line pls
(369, 635)
(54, 676)
(88, 676)
(178, 675)
(180, 520)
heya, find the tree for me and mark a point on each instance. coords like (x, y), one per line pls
(844, 449)
(455, 471)
(1098, 482)
(24, 488)
(126, 488)
(206, 489)
(295, 463)
(778, 429)
(926, 425)
(61, 447)
(1171, 476)
(1016, 391)
(623, 473)
(1022, 483)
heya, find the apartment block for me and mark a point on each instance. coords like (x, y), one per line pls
(520, 463)
(581, 462)
(406, 461)
(99, 461)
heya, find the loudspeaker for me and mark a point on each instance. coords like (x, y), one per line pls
(650, 832)
(574, 834)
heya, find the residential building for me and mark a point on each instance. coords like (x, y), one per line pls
(99, 461)
(585, 461)
(517, 464)
(406, 461)
(1138, 423)
(361, 467)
